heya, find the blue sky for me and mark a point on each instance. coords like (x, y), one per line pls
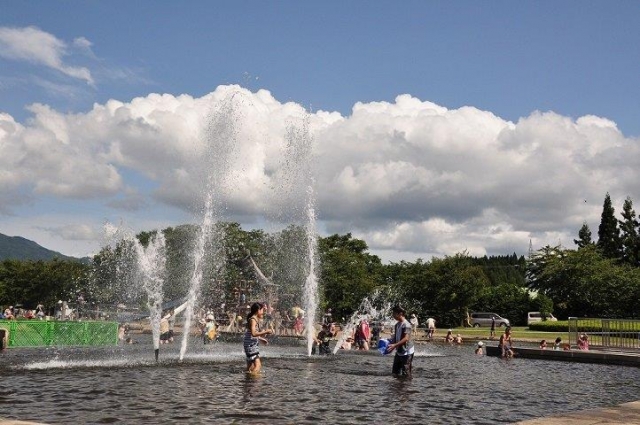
(507, 59)
(574, 58)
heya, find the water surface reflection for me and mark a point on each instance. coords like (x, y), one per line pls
(450, 386)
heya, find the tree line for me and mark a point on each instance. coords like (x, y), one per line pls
(597, 279)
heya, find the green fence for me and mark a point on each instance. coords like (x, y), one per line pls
(39, 333)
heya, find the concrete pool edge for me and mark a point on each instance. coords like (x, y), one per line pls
(622, 414)
(590, 356)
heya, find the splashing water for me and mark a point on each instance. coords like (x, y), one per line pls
(149, 273)
(366, 311)
(152, 265)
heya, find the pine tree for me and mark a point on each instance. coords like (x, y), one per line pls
(584, 236)
(608, 233)
(629, 234)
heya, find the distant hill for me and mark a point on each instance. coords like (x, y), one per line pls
(18, 248)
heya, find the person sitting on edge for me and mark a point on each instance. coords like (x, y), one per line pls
(583, 342)
(449, 337)
(8, 312)
(557, 344)
(346, 345)
(458, 339)
(543, 344)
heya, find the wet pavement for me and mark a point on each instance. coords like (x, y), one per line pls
(623, 414)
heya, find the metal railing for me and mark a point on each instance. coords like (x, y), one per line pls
(608, 334)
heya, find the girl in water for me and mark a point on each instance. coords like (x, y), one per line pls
(252, 338)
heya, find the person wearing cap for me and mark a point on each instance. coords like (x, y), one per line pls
(401, 342)
(253, 336)
(479, 348)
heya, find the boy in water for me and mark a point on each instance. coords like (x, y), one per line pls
(401, 342)
(323, 339)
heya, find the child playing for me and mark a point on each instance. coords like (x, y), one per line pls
(252, 338)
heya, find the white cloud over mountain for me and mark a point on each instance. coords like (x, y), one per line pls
(409, 176)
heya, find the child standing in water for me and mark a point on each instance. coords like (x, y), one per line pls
(253, 336)
(401, 342)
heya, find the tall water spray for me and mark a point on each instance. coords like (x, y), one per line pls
(219, 145)
(310, 292)
(297, 186)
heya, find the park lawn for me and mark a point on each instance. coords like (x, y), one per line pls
(517, 332)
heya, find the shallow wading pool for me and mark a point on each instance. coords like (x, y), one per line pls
(450, 385)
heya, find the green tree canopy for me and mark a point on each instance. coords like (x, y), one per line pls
(584, 236)
(608, 232)
(629, 234)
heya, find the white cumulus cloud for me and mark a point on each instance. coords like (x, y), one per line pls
(408, 176)
(34, 45)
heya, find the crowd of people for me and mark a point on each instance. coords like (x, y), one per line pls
(261, 319)
(12, 312)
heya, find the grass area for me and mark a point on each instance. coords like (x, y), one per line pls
(517, 332)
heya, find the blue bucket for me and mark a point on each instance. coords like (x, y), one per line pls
(382, 346)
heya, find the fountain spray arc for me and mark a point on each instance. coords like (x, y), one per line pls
(221, 135)
(366, 311)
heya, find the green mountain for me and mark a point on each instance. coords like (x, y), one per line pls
(18, 248)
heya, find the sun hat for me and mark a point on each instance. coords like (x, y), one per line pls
(480, 343)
